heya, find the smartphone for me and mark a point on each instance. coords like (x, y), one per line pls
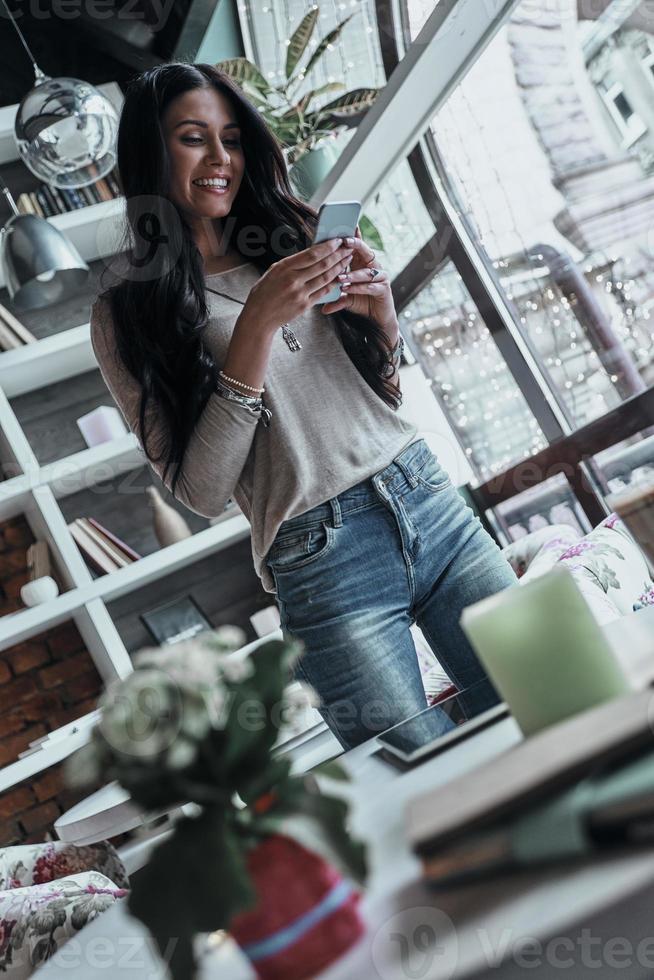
(336, 219)
(434, 728)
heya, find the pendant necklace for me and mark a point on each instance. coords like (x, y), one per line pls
(289, 337)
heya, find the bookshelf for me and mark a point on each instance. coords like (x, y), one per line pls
(51, 477)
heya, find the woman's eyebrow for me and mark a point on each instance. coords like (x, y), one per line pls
(199, 122)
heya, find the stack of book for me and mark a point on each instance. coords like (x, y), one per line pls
(581, 785)
(12, 332)
(102, 550)
(47, 201)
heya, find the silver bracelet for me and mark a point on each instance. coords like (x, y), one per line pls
(395, 358)
(249, 401)
(253, 404)
(398, 350)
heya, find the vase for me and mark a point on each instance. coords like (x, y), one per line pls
(169, 525)
(312, 168)
(306, 915)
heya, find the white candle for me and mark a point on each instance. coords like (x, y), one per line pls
(543, 650)
(101, 425)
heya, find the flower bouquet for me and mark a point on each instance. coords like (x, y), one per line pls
(197, 723)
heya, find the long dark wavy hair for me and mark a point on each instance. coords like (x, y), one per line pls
(159, 306)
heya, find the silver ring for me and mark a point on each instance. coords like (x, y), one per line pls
(373, 273)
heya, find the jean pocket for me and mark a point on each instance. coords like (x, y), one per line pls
(430, 475)
(299, 549)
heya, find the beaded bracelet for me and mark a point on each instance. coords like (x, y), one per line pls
(241, 384)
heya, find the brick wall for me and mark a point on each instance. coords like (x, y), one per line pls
(29, 809)
(45, 682)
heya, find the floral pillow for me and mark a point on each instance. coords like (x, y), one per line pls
(36, 920)
(610, 558)
(607, 564)
(33, 864)
(536, 552)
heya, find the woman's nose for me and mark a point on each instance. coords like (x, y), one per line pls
(217, 153)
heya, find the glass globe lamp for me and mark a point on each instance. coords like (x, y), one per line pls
(66, 131)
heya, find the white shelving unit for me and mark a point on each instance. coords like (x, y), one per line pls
(36, 489)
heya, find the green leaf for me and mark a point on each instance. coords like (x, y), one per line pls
(353, 103)
(370, 234)
(330, 38)
(299, 40)
(326, 88)
(243, 72)
(330, 813)
(298, 110)
(260, 775)
(253, 723)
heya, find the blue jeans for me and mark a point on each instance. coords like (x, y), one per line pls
(354, 573)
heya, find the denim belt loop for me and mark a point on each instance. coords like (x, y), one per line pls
(336, 511)
(406, 469)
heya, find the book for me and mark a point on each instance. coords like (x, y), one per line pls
(121, 545)
(10, 321)
(50, 198)
(103, 543)
(8, 339)
(62, 203)
(87, 195)
(114, 184)
(46, 207)
(103, 190)
(38, 560)
(24, 204)
(77, 197)
(611, 808)
(35, 204)
(69, 198)
(93, 554)
(528, 773)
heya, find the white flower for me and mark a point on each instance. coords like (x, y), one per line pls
(237, 669)
(230, 638)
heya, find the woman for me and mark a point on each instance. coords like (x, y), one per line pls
(355, 526)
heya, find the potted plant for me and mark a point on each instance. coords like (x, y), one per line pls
(305, 132)
(196, 723)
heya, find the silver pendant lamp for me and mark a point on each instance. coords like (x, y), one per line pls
(39, 264)
(65, 128)
(65, 133)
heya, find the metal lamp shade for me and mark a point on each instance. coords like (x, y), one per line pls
(40, 265)
(66, 132)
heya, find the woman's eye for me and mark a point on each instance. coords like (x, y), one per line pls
(198, 139)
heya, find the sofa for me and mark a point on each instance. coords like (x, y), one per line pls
(48, 892)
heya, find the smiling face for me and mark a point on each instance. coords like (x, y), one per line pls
(203, 140)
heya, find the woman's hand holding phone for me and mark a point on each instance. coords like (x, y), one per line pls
(361, 291)
(292, 285)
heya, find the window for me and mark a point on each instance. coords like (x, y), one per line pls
(562, 228)
(628, 122)
(469, 377)
(399, 214)
(648, 64)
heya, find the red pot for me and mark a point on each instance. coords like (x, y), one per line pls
(306, 916)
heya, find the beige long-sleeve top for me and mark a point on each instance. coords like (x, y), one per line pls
(329, 430)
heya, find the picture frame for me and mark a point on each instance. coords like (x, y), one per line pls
(174, 621)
